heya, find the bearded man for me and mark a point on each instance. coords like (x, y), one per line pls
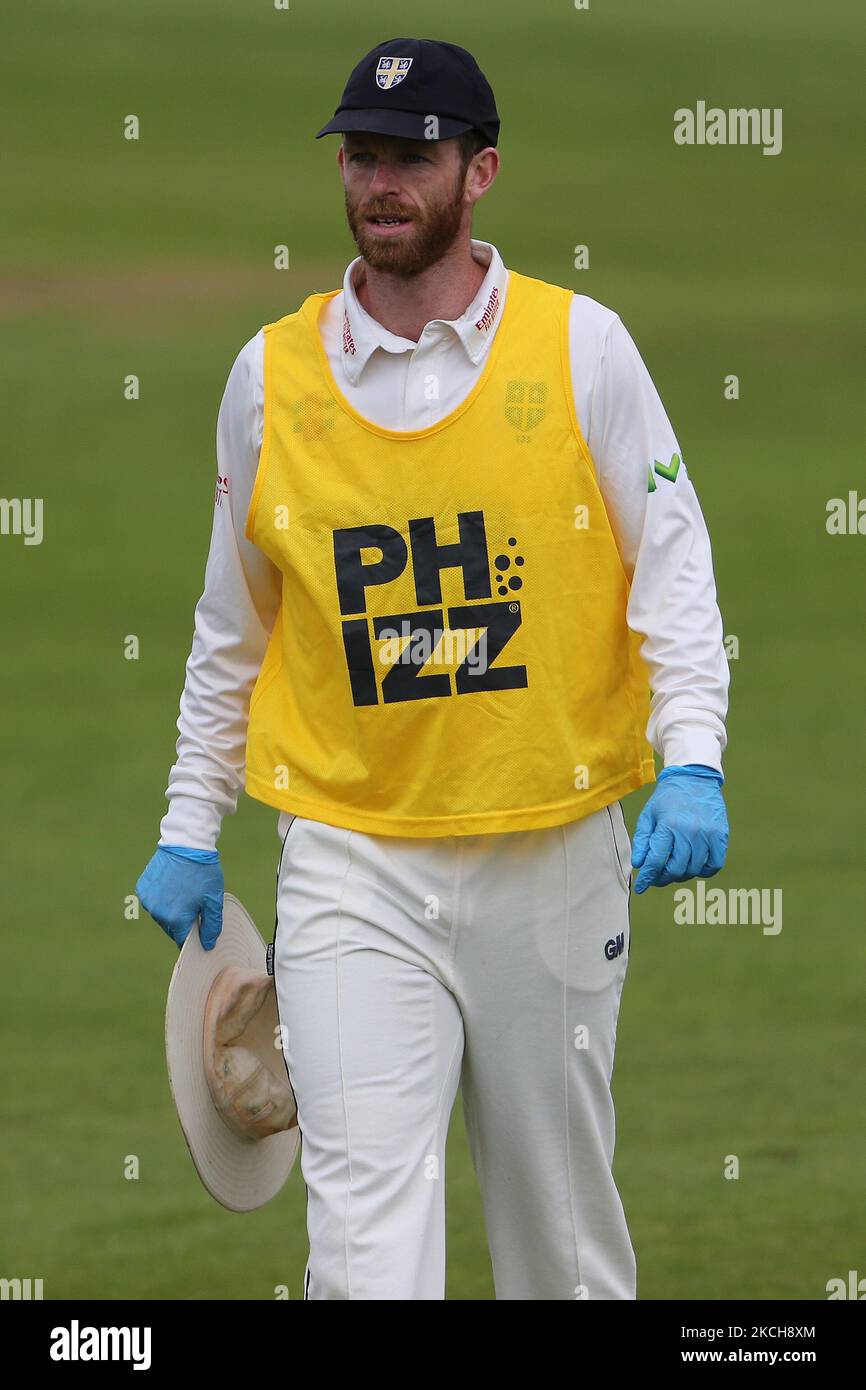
(459, 589)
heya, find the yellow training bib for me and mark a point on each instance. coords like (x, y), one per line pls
(451, 656)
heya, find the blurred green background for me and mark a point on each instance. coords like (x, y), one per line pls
(155, 257)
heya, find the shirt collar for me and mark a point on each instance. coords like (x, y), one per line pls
(362, 334)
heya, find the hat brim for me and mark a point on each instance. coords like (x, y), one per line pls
(240, 1173)
(387, 121)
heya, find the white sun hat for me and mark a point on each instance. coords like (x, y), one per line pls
(226, 1067)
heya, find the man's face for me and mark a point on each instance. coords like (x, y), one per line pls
(418, 183)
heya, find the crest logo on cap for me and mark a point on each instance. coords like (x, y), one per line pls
(391, 71)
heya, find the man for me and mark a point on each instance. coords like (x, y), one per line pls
(439, 592)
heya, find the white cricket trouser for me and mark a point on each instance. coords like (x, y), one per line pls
(406, 966)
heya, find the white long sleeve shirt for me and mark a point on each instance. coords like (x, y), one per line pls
(661, 535)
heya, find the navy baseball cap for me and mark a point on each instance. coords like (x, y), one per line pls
(401, 83)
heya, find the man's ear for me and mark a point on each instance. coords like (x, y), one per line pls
(484, 173)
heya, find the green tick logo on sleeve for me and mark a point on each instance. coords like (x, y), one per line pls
(664, 470)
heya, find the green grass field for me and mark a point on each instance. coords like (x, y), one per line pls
(155, 258)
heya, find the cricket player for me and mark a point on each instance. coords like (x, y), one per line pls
(459, 589)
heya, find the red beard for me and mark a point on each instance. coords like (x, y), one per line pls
(424, 242)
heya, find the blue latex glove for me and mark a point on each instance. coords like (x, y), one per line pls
(682, 832)
(180, 885)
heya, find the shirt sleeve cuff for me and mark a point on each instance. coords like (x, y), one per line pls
(191, 823)
(692, 743)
